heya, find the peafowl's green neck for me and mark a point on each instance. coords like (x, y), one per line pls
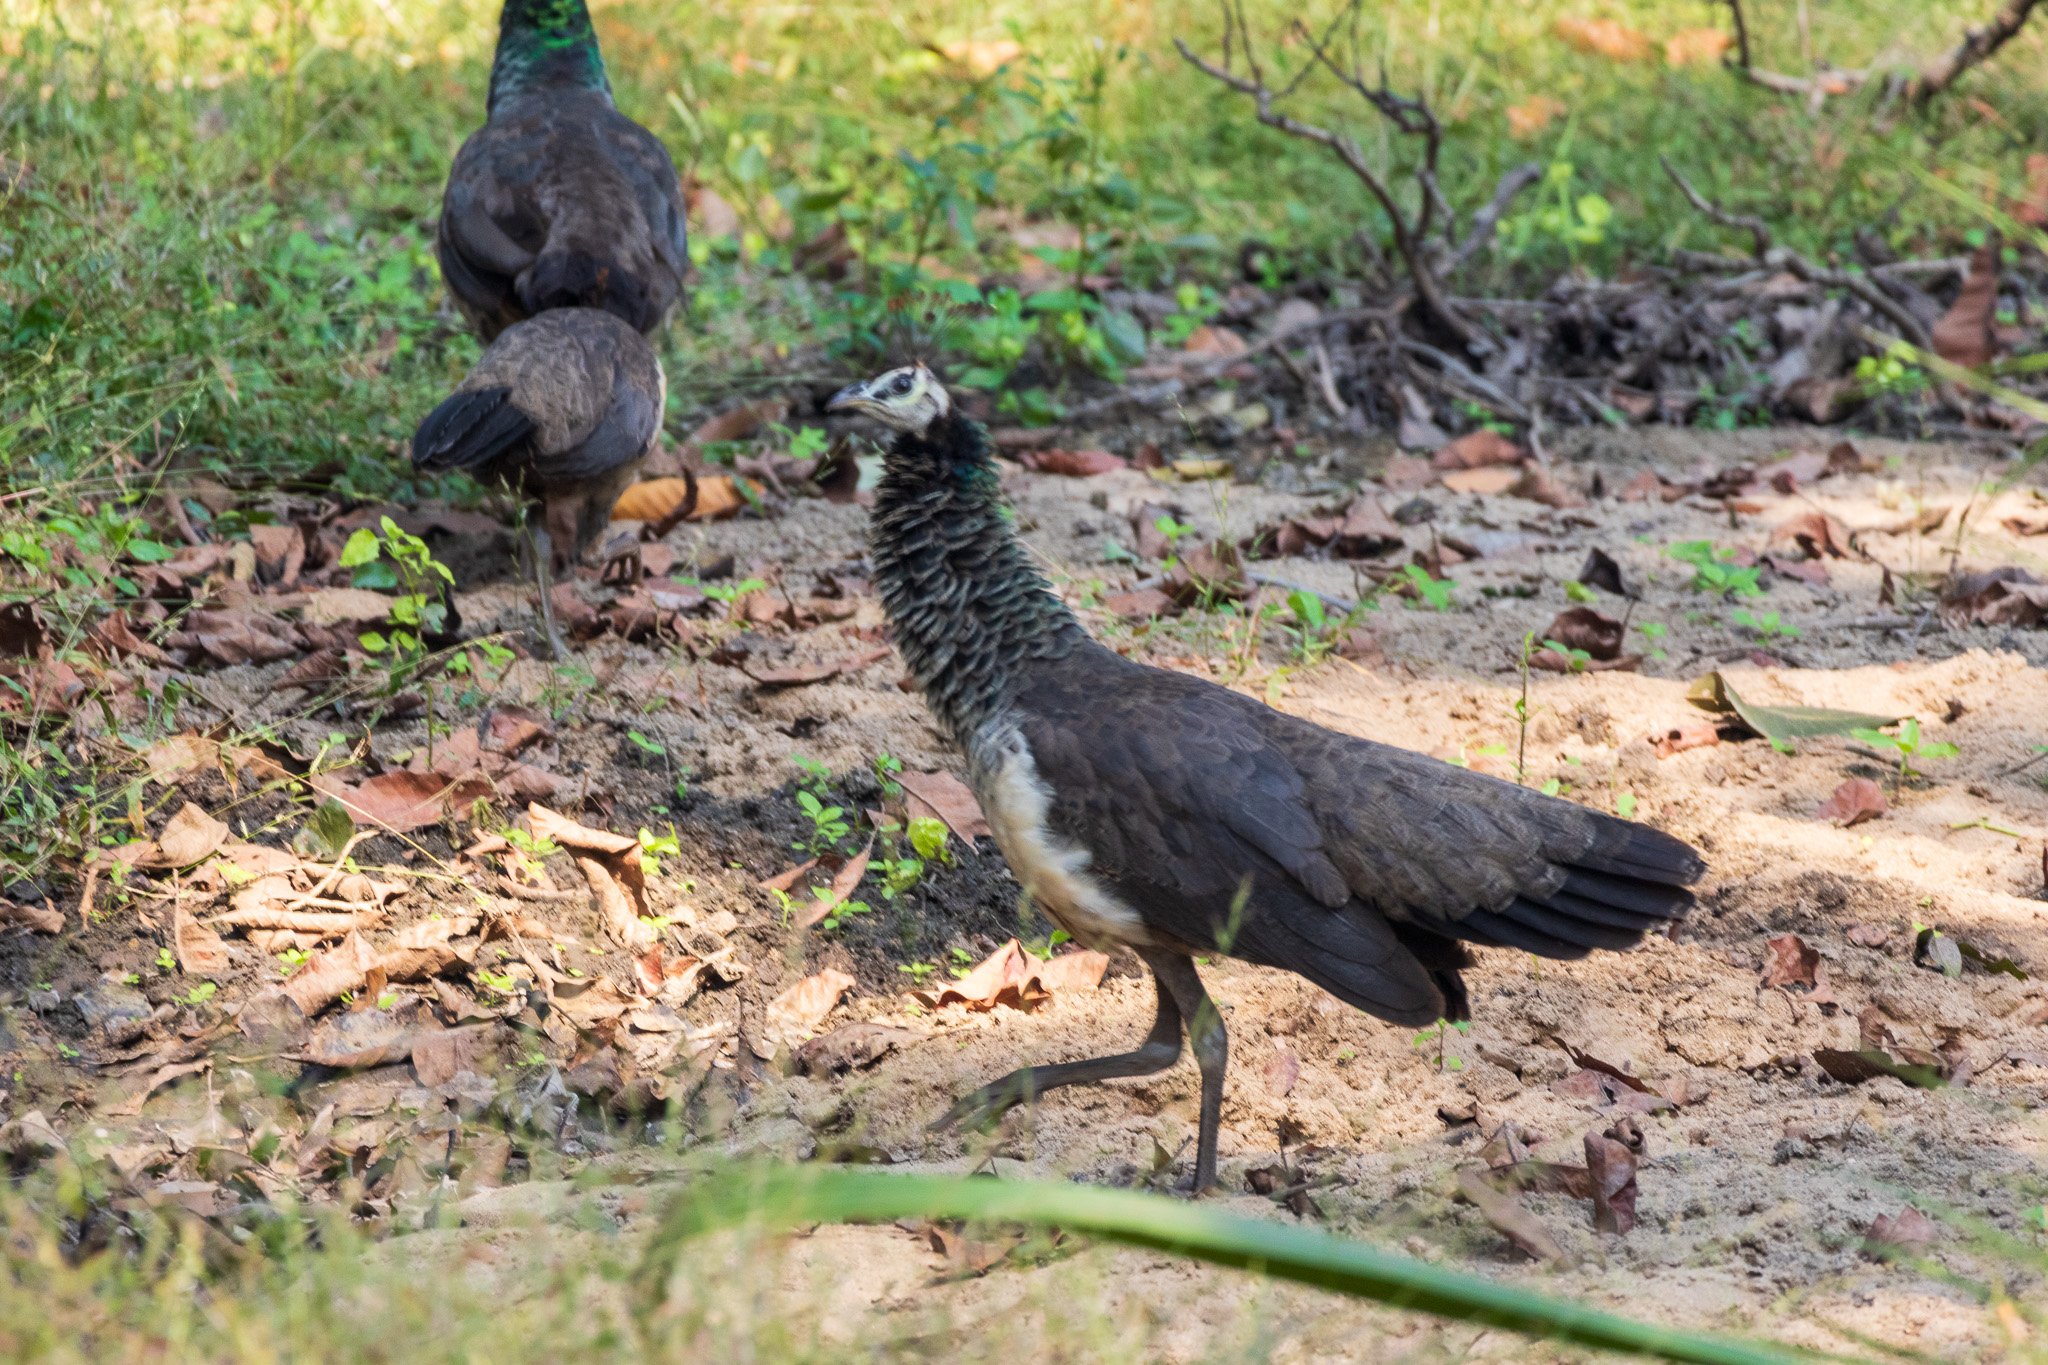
(545, 43)
(968, 607)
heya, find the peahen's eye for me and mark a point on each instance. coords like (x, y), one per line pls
(901, 386)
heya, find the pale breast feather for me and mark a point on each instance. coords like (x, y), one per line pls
(1018, 804)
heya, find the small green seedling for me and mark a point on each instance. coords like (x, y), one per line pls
(499, 983)
(1909, 746)
(1576, 591)
(1575, 660)
(837, 911)
(1042, 949)
(199, 994)
(1764, 625)
(1432, 590)
(918, 971)
(166, 961)
(962, 963)
(1433, 1037)
(291, 959)
(652, 748)
(1716, 571)
(888, 768)
(828, 824)
(654, 847)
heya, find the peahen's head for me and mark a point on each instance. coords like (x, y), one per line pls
(909, 400)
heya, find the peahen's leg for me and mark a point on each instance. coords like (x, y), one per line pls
(1159, 1051)
(1211, 1045)
(542, 547)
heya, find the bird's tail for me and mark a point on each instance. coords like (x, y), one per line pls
(571, 277)
(1632, 882)
(471, 429)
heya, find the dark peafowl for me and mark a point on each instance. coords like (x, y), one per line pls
(1165, 813)
(564, 409)
(559, 200)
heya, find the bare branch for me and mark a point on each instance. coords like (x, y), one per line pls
(1759, 232)
(1741, 35)
(1412, 117)
(1977, 47)
(1481, 231)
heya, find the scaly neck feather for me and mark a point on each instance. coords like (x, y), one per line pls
(968, 607)
(545, 43)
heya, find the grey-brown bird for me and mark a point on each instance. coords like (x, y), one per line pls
(559, 200)
(1162, 812)
(562, 408)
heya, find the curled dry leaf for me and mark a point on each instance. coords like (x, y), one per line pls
(1282, 1069)
(843, 882)
(801, 1008)
(1076, 464)
(1608, 38)
(1476, 450)
(1967, 333)
(41, 918)
(610, 863)
(798, 675)
(190, 836)
(1611, 1159)
(2005, 596)
(850, 1047)
(1533, 115)
(1600, 571)
(401, 801)
(1509, 1217)
(1811, 534)
(1789, 961)
(1539, 485)
(200, 950)
(1489, 480)
(1905, 1233)
(1855, 801)
(1585, 628)
(1215, 341)
(1694, 734)
(1145, 604)
(1010, 976)
(945, 797)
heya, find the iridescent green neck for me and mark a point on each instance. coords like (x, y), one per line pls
(967, 605)
(543, 44)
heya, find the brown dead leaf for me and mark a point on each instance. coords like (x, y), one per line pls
(1608, 38)
(1075, 464)
(1611, 1162)
(200, 951)
(345, 607)
(1811, 534)
(169, 759)
(843, 883)
(1508, 1216)
(1696, 46)
(610, 863)
(1789, 961)
(1361, 530)
(1010, 976)
(1908, 1232)
(41, 918)
(983, 57)
(1146, 604)
(1855, 801)
(1585, 628)
(1539, 485)
(1694, 734)
(801, 1008)
(1966, 334)
(2005, 596)
(237, 635)
(1215, 341)
(1490, 480)
(190, 836)
(943, 796)
(1478, 450)
(401, 801)
(1533, 115)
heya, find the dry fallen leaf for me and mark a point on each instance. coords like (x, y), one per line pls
(1905, 1233)
(1603, 38)
(1010, 976)
(200, 951)
(1789, 961)
(1694, 734)
(943, 796)
(1533, 115)
(1611, 1161)
(801, 1008)
(1282, 1070)
(1215, 341)
(610, 863)
(1855, 801)
(1477, 450)
(1696, 46)
(1489, 480)
(40, 918)
(1508, 1216)
(2005, 596)
(1967, 335)
(1076, 464)
(189, 836)
(1811, 534)
(1585, 628)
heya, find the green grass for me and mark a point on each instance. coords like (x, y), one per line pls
(219, 244)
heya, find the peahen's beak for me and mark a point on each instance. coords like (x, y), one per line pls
(852, 398)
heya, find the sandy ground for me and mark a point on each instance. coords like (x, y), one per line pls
(1755, 1193)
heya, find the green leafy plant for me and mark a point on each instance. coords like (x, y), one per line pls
(887, 768)
(1764, 625)
(1436, 592)
(1043, 948)
(1909, 746)
(828, 823)
(1715, 570)
(1433, 1038)
(654, 847)
(199, 994)
(291, 959)
(918, 972)
(392, 557)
